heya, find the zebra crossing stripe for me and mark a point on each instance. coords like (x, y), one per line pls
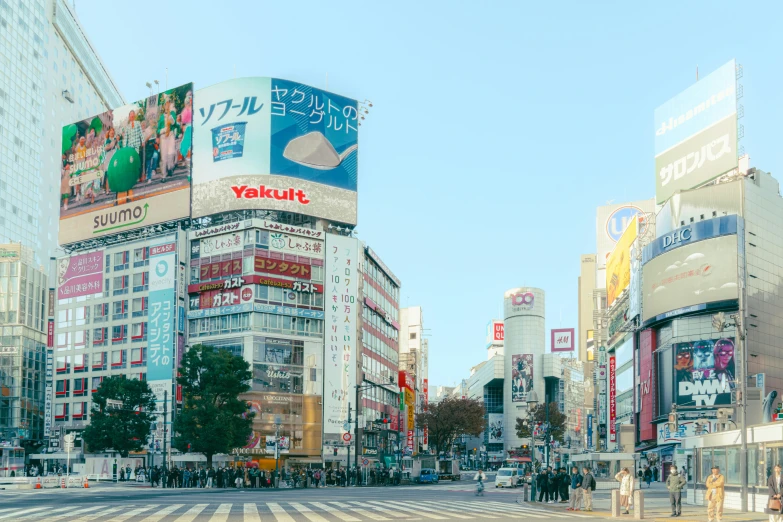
(251, 513)
(221, 513)
(505, 509)
(93, 516)
(73, 513)
(307, 512)
(362, 512)
(546, 514)
(393, 514)
(410, 510)
(48, 512)
(473, 509)
(17, 513)
(280, 514)
(160, 515)
(345, 517)
(132, 513)
(192, 513)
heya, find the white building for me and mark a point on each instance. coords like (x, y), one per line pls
(50, 75)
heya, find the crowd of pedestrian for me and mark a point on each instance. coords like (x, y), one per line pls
(212, 477)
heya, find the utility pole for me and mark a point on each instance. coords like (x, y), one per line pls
(348, 460)
(165, 431)
(356, 434)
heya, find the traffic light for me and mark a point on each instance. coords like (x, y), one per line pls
(335, 451)
(673, 421)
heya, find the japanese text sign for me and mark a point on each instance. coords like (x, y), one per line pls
(281, 267)
(162, 316)
(80, 275)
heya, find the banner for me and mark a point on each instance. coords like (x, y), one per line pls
(162, 312)
(589, 431)
(562, 340)
(495, 428)
(612, 399)
(704, 372)
(521, 376)
(618, 266)
(80, 275)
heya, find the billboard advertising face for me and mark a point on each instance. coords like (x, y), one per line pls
(523, 301)
(562, 340)
(80, 275)
(699, 159)
(618, 266)
(127, 168)
(611, 222)
(690, 276)
(704, 372)
(266, 143)
(702, 104)
(521, 376)
(495, 428)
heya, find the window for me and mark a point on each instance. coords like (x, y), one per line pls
(96, 382)
(120, 285)
(80, 387)
(79, 410)
(141, 256)
(138, 332)
(80, 363)
(99, 361)
(62, 388)
(141, 281)
(100, 336)
(81, 315)
(63, 364)
(118, 359)
(101, 313)
(733, 467)
(139, 307)
(413, 336)
(61, 412)
(119, 334)
(120, 310)
(121, 260)
(138, 357)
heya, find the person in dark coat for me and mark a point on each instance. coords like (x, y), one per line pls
(775, 486)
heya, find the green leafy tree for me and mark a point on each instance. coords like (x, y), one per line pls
(123, 424)
(557, 422)
(451, 418)
(213, 418)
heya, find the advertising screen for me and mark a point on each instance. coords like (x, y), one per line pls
(521, 376)
(127, 168)
(689, 277)
(704, 372)
(618, 266)
(80, 275)
(267, 143)
(495, 428)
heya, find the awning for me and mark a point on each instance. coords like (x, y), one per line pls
(520, 459)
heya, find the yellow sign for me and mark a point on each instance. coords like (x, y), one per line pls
(408, 397)
(410, 418)
(618, 266)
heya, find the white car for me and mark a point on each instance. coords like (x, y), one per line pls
(507, 478)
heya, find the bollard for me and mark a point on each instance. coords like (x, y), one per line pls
(638, 504)
(615, 507)
(533, 489)
(525, 491)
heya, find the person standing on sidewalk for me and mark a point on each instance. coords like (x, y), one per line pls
(675, 483)
(588, 486)
(715, 490)
(575, 500)
(626, 488)
(563, 482)
(775, 485)
(543, 485)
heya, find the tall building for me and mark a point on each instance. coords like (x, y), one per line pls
(50, 76)
(586, 304)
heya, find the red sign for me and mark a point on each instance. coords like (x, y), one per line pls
(562, 340)
(162, 249)
(426, 440)
(612, 399)
(278, 266)
(410, 439)
(218, 298)
(297, 286)
(403, 380)
(426, 393)
(647, 385)
(50, 334)
(498, 333)
(347, 437)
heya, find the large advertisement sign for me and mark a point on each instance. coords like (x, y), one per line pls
(162, 312)
(342, 260)
(266, 143)
(562, 340)
(618, 266)
(647, 382)
(704, 372)
(697, 160)
(690, 277)
(521, 376)
(611, 222)
(495, 428)
(80, 275)
(612, 399)
(127, 168)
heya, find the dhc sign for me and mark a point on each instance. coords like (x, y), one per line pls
(677, 237)
(706, 229)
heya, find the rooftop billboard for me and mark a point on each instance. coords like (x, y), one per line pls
(618, 266)
(272, 144)
(127, 168)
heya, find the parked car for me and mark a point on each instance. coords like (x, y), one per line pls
(507, 478)
(428, 476)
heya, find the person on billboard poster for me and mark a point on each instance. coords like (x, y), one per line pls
(724, 361)
(703, 359)
(683, 365)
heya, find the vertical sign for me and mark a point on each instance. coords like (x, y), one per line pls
(342, 258)
(589, 431)
(49, 394)
(612, 399)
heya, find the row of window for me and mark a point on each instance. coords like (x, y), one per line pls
(99, 361)
(377, 275)
(102, 336)
(117, 310)
(271, 323)
(380, 299)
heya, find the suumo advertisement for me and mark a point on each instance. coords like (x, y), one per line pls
(689, 277)
(618, 266)
(266, 143)
(495, 428)
(696, 133)
(342, 259)
(521, 376)
(80, 275)
(127, 168)
(704, 372)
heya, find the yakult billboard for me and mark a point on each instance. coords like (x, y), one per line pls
(267, 143)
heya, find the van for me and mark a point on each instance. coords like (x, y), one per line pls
(507, 478)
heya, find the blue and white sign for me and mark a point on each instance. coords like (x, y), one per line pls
(618, 221)
(700, 230)
(589, 431)
(162, 314)
(220, 310)
(701, 105)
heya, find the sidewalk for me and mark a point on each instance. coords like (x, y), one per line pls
(657, 508)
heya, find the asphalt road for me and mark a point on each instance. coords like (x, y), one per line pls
(443, 502)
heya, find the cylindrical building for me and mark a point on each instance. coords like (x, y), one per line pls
(524, 347)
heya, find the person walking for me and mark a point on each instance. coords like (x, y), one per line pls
(625, 478)
(775, 486)
(588, 486)
(575, 500)
(647, 475)
(715, 490)
(675, 483)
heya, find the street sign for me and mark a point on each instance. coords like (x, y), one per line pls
(70, 438)
(347, 437)
(68, 446)
(347, 426)
(365, 462)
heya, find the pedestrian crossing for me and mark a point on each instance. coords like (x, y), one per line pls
(288, 511)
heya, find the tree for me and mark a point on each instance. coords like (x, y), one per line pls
(557, 422)
(213, 418)
(122, 425)
(448, 419)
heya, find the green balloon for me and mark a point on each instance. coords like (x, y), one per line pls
(69, 132)
(184, 146)
(97, 125)
(124, 169)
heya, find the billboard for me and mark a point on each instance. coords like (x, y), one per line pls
(704, 372)
(700, 159)
(618, 266)
(612, 399)
(611, 222)
(272, 144)
(340, 322)
(523, 301)
(562, 340)
(689, 277)
(80, 275)
(494, 428)
(704, 103)
(521, 376)
(162, 311)
(127, 168)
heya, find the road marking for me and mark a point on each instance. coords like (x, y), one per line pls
(132, 513)
(329, 509)
(251, 513)
(362, 512)
(279, 513)
(393, 514)
(73, 513)
(221, 513)
(505, 509)
(160, 515)
(307, 512)
(17, 513)
(409, 510)
(93, 516)
(192, 513)
(471, 509)
(47, 513)
(422, 509)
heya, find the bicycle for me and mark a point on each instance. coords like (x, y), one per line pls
(480, 489)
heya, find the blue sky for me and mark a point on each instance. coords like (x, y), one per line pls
(497, 127)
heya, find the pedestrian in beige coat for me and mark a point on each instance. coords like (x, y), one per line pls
(715, 489)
